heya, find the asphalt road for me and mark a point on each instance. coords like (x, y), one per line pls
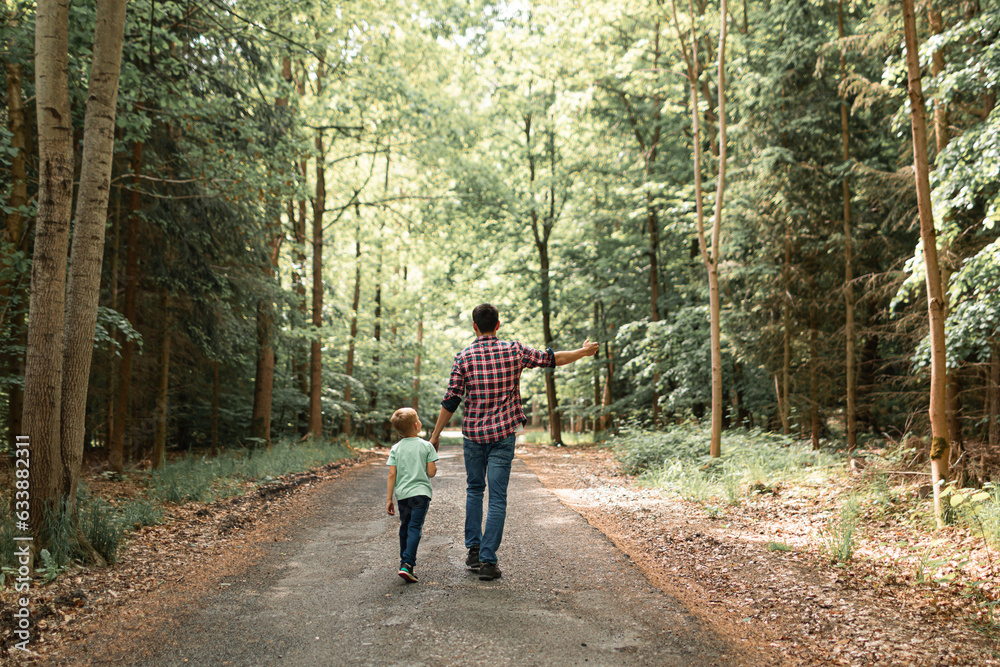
(332, 597)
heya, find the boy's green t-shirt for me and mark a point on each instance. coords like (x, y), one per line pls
(411, 456)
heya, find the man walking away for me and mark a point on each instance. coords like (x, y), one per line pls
(488, 374)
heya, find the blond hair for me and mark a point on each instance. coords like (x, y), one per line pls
(403, 420)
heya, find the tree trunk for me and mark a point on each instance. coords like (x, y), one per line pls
(16, 234)
(993, 391)
(159, 457)
(263, 384)
(597, 366)
(349, 370)
(316, 360)
(653, 223)
(935, 296)
(784, 404)
(541, 235)
(813, 374)
(302, 365)
(215, 410)
(555, 423)
(44, 355)
(942, 135)
(373, 397)
(263, 391)
(606, 396)
(373, 404)
(710, 256)
(849, 330)
(87, 252)
(116, 232)
(116, 450)
(416, 361)
(713, 274)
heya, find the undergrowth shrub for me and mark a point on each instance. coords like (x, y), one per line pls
(838, 537)
(678, 461)
(201, 479)
(103, 525)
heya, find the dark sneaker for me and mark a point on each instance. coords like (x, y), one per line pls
(489, 571)
(406, 572)
(472, 560)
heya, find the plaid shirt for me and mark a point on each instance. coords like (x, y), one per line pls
(488, 375)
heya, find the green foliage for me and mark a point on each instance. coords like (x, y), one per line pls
(779, 546)
(48, 567)
(839, 534)
(59, 533)
(677, 461)
(201, 479)
(141, 512)
(103, 526)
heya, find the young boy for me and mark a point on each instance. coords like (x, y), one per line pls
(411, 465)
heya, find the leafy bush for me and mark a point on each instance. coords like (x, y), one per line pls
(637, 450)
(677, 460)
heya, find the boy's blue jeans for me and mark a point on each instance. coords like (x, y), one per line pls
(486, 463)
(412, 512)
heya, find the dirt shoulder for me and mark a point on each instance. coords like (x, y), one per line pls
(92, 612)
(792, 605)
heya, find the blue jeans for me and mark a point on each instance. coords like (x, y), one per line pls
(486, 463)
(412, 512)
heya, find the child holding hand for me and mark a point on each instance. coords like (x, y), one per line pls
(411, 465)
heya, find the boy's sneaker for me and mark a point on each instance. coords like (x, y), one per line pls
(406, 572)
(489, 571)
(472, 560)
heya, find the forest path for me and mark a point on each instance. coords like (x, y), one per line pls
(332, 596)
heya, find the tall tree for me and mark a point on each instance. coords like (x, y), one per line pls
(63, 317)
(928, 236)
(316, 352)
(349, 366)
(849, 305)
(541, 230)
(710, 253)
(15, 236)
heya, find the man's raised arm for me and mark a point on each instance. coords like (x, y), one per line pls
(567, 357)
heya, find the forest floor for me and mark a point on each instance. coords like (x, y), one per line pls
(757, 572)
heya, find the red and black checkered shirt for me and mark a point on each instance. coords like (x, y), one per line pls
(488, 375)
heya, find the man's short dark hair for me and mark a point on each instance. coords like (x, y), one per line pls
(486, 317)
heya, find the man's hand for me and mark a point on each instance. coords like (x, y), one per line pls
(588, 350)
(389, 507)
(443, 418)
